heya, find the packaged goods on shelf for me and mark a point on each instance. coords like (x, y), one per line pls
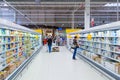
(3, 32)
(0, 48)
(117, 68)
(17, 63)
(15, 46)
(1, 75)
(0, 39)
(104, 47)
(5, 74)
(88, 54)
(110, 65)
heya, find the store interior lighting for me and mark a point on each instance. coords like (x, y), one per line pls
(112, 4)
(5, 4)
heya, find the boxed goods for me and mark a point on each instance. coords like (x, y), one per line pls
(88, 54)
(12, 67)
(17, 63)
(110, 65)
(114, 66)
(1, 75)
(5, 74)
(84, 52)
(117, 68)
(94, 57)
(55, 49)
(22, 59)
(7, 69)
(97, 58)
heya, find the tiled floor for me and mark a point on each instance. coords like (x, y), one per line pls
(59, 66)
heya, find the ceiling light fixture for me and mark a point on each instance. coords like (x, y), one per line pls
(5, 4)
(112, 4)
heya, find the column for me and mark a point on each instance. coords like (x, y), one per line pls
(87, 14)
(73, 22)
(117, 10)
(15, 17)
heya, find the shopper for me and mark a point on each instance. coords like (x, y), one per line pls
(75, 48)
(58, 40)
(49, 43)
(61, 41)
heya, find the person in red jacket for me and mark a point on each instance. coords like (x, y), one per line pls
(45, 41)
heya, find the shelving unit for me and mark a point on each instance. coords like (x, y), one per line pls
(103, 48)
(17, 44)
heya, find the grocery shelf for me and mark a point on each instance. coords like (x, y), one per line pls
(109, 72)
(15, 46)
(16, 73)
(102, 47)
(9, 57)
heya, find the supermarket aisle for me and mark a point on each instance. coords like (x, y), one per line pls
(59, 66)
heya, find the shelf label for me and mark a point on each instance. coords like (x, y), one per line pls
(39, 31)
(72, 30)
(89, 37)
(69, 36)
(36, 36)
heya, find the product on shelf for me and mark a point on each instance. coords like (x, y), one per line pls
(12, 67)
(15, 47)
(1, 39)
(1, 75)
(103, 48)
(3, 32)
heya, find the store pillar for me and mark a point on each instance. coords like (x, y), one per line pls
(73, 20)
(87, 14)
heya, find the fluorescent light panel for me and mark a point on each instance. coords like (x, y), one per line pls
(112, 4)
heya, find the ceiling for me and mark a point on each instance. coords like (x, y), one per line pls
(59, 12)
(61, 0)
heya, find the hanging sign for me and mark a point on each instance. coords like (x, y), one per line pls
(72, 30)
(39, 31)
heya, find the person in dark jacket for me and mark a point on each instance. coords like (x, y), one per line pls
(76, 46)
(49, 41)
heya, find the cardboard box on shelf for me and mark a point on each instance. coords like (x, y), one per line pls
(110, 65)
(94, 57)
(5, 74)
(7, 69)
(17, 63)
(22, 59)
(12, 67)
(84, 52)
(98, 60)
(117, 68)
(55, 49)
(1, 76)
(102, 60)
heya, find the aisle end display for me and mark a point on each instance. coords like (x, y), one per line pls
(17, 44)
